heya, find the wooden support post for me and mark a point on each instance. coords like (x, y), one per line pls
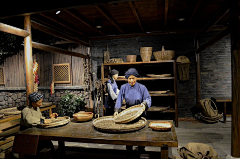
(235, 54)
(198, 75)
(28, 57)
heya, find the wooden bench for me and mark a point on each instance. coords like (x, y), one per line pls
(223, 100)
(9, 125)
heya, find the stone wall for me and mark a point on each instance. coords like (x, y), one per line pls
(17, 98)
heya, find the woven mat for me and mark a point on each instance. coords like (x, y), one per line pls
(107, 124)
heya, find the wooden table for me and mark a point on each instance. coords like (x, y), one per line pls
(224, 100)
(84, 132)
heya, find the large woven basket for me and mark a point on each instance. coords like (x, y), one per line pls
(10, 111)
(146, 53)
(60, 121)
(131, 58)
(129, 114)
(164, 54)
(83, 116)
(107, 124)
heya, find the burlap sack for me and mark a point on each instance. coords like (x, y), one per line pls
(197, 151)
(207, 108)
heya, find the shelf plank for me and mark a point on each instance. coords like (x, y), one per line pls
(143, 79)
(138, 63)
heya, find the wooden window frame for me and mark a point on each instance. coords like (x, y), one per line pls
(3, 76)
(69, 75)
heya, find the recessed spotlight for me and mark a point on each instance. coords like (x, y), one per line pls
(148, 32)
(57, 12)
(181, 19)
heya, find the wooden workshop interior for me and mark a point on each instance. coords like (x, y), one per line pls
(74, 44)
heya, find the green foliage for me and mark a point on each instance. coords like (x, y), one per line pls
(70, 104)
(9, 44)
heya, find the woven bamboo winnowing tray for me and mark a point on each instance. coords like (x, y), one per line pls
(107, 124)
(10, 111)
(156, 76)
(129, 114)
(60, 121)
(159, 92)
(160, 125)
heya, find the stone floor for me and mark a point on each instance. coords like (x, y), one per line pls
(217, 135)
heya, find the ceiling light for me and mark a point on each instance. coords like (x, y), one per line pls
(57, 12)
(148, 32)
(98, 23)
(181, 19)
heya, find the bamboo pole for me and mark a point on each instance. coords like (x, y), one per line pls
(235, 56)
(198, 75)
(13, 30)
(28, 57)
(57, 50)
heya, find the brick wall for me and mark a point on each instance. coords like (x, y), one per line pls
(215, 63)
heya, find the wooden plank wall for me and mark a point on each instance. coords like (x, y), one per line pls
(15, 67)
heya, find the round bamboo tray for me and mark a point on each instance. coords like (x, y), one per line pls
(107, 124)
(159, 92)
(156, 108)
(160, 125)
(156, 76)
(129, 114)
(10, 111)
(60, 121)
(83, 116)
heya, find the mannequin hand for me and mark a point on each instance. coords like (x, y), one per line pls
(144, 105)
(53, 115)
(116, 113)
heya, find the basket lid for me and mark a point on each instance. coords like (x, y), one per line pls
(129, 114)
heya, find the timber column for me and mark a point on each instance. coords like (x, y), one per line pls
(28, 57)
(235, 54)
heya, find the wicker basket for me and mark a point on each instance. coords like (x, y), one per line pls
(146, 53)
(131, 58)
(60, 121)
(83, 116)
(164, 54)
(107, 124)
(129, 114)
(10, 111)
(160, 125)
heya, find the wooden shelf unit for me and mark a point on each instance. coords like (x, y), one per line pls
(152, 67)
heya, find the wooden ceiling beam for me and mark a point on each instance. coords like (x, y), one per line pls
(64, 25)
(136, 15)
(109, 17)
(142, 34)
(13, 30)
(194, 11)
(48, 48)
(83, 21)
(165, 14)
(57, 33)
(54, 26)
(218, 16)
(220, 36)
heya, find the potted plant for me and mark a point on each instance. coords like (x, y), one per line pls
(70, 104)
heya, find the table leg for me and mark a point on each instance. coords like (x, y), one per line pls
(61, 149)
(164, 152)
(225, 112)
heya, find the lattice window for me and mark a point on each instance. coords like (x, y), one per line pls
(1, 75)
(61, 73)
